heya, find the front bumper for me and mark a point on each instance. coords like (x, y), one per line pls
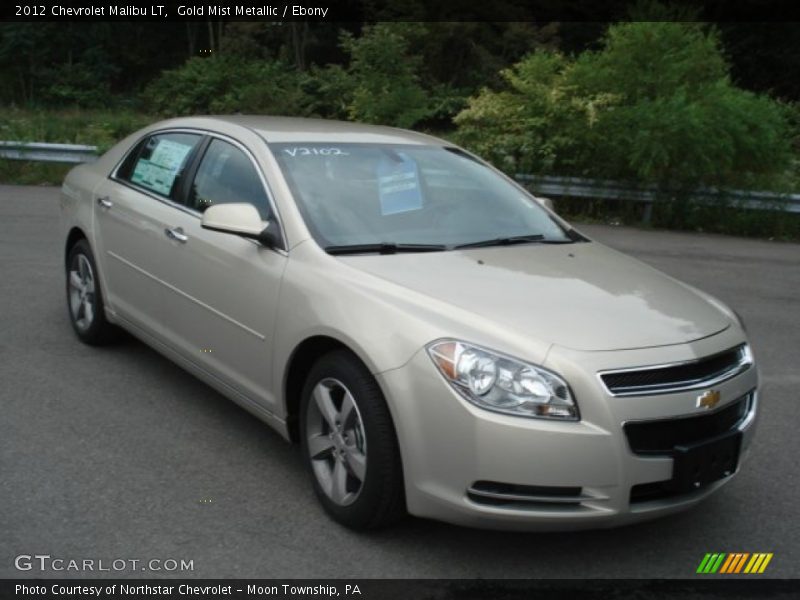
(579, 474)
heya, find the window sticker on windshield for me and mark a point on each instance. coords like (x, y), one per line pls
(159, 172)
(398, 185)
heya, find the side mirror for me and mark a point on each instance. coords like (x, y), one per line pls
(546, 202)
(241, 218)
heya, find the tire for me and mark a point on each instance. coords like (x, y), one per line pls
(85, 298)
(349, 444)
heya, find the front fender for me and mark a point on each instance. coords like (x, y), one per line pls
(383, 323)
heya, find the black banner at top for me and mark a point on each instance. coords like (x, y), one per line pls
(383, 10)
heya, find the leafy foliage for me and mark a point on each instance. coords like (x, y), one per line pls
(528, 125)
(653, 100)
(226, 84)
(93, 127)
(655, 104)
(386, 86)
(380, 84)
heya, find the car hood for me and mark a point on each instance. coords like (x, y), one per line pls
(583, 296)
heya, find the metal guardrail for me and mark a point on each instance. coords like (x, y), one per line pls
(573, 187)
(559, 187)
(57, 153)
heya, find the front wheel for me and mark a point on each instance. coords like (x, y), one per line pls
(85, 299)
(349, 444)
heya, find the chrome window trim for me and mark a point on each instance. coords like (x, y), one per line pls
(182, 207)
(745, 363)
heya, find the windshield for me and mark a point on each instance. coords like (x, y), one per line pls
(400, 194)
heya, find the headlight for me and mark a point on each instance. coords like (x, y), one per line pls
(502, 384)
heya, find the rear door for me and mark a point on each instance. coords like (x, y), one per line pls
(132, 209)
(223, 289)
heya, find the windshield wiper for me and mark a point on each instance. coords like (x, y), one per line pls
(517, 239)
(384, 248)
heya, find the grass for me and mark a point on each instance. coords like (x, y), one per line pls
(18, 172)
(69, 126)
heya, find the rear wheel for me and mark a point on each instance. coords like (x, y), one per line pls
(349, 444)
(85, 299)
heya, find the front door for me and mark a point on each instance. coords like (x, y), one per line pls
(223, 289)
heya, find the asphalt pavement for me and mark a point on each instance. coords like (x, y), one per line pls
(117, 453)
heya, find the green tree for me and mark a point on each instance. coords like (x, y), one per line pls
(384, 72)
(654, 104)
(529, 125)
(227, 84)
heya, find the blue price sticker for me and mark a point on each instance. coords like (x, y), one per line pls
(399, 187)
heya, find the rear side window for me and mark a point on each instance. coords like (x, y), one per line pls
(226, 174)
(159, 161)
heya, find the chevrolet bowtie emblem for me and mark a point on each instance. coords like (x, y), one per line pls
(708, 399)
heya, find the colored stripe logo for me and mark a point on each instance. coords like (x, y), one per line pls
(734, 562)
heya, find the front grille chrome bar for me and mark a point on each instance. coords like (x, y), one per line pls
(623, 382)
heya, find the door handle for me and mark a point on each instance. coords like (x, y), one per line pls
(176, 233)
(105, 202)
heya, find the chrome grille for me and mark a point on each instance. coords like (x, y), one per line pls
(676, 377)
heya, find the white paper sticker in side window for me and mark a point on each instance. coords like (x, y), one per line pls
(159, 172)
(399, 187)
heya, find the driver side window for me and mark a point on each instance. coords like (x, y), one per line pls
(225, 175)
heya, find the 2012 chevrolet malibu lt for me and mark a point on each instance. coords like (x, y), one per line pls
(437, 339)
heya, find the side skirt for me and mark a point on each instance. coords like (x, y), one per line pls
(212, 380)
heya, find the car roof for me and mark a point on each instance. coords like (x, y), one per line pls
(294, 129)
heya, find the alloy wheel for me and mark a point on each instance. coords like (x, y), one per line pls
(337, 446)
(81, 292)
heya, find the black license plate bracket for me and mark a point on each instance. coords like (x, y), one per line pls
(697, 465)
